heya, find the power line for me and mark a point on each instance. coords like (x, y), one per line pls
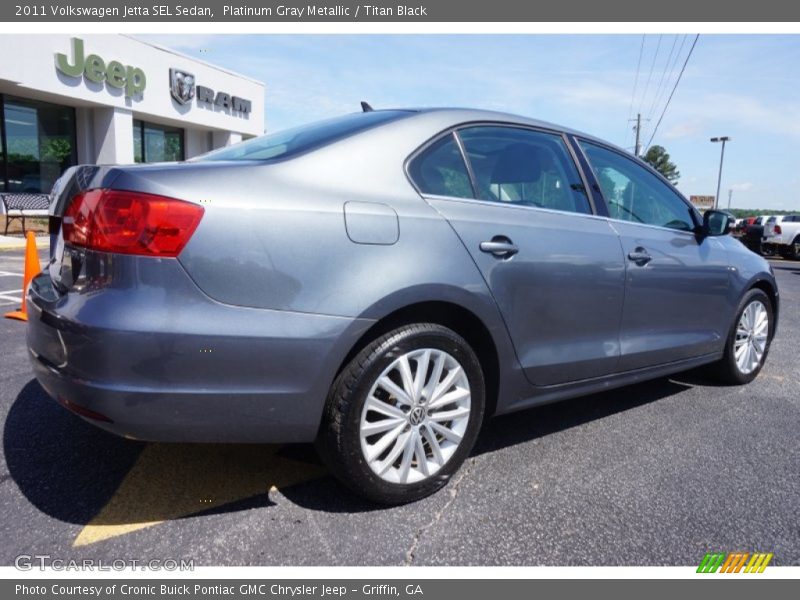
(672, 93)
(668, 81)
(659, 89)
(650, 75)
(672, 72)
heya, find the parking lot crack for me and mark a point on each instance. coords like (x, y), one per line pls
(452, 490)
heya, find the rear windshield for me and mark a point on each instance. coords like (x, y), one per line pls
(291, 142)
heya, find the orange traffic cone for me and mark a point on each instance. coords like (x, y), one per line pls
(32, 269)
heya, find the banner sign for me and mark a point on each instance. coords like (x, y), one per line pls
(411, 11)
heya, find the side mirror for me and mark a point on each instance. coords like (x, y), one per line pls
(717, 222)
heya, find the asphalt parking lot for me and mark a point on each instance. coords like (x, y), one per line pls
(655, 474)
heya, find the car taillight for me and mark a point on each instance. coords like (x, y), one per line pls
(777, 229)
(130, 222)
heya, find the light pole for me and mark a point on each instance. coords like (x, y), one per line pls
(722, 139)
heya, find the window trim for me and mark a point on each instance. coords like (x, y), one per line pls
(454, 129)
(636, 161)
(510, 205)
(423, 148)
(473, 180)
(597, 197)
(450, 132)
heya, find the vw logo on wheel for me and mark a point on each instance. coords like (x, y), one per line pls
(417, 415)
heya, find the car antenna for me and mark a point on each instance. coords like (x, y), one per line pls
(365, 107)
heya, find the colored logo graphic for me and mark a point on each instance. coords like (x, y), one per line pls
(735, 562)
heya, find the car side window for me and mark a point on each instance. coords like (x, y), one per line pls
(524, 167)
(634, 194)
(440, 170)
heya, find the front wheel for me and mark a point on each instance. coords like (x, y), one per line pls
(748, 341)
(404, 414)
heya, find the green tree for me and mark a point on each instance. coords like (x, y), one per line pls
(658, 158)
(55, 149)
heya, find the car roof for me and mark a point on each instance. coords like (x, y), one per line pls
(457, 115)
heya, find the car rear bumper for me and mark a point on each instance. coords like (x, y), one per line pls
(166, 363)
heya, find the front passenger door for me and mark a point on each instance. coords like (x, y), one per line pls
(676, 283)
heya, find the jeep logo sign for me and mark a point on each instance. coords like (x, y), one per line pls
(223, 100)
(95, 69)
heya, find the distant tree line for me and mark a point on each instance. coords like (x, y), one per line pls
(740, 213)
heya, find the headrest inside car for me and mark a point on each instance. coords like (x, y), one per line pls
(518, 163)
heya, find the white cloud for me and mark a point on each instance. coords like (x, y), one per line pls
(741, 187)
(745, 111)
(682, 130)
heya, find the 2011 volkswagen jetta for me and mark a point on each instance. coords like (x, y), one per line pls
(380, 283)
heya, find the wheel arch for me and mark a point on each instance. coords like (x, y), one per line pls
(455, 316)
(771, 290)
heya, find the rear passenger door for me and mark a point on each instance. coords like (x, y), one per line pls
(676, 304)
(556, 270)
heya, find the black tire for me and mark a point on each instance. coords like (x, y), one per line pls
(726, 370)
(339, 442)
(794, 250)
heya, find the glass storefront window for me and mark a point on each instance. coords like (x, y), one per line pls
(156, 143)
(39, 144)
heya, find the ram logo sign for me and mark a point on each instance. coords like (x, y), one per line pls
(223, 100)
(735, 562)
(181, 86)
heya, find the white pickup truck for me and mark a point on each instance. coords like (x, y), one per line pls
(782, 236)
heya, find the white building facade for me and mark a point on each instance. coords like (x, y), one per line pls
(100, 99)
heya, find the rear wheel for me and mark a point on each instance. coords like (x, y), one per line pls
(404, 414)
(748, 341)
(794, 249)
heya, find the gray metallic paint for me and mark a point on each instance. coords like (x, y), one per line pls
(675, 306)
(240, 338)
(561, 299)
(140, 343)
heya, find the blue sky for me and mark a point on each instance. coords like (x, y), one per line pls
(743, 86)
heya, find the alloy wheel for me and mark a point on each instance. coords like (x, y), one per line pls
(751, 337)
(415, 416)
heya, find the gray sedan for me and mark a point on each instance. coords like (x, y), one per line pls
(381, 283)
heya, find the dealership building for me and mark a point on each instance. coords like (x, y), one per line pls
(102, 99)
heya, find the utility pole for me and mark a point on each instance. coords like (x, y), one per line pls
(730, 193)
(723, 139)
(637, 149)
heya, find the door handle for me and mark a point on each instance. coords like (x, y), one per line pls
(500, 246)
(640, 256)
